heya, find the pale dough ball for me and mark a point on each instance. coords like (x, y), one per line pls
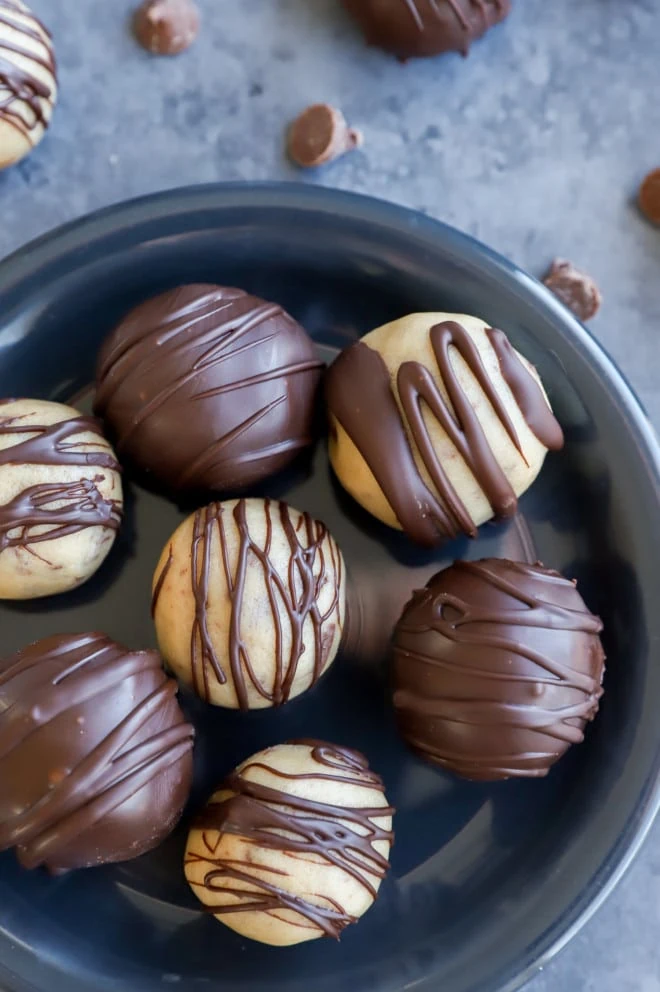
(249, 602)
(28, 81)
(294, 846)
(60, 498)
(512, 452)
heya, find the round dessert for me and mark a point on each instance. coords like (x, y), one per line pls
(60, 498)
(411, 28)
(28, 81)
(437, 424)
(295, 844)
(95, 754)
(497, 669)
(249, 602)
(166, 27)
(208, 389)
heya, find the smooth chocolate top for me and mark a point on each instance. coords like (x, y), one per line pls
(208, 388)
(497, 668)
(296, 598)
(360, 396)
(18, 85)
(275, 819)
(410, 28)
(95, 754)
(64, 507)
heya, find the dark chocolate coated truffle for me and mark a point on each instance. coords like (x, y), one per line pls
(207, 388)
(95, 754)
(411, 28)
(497, 669)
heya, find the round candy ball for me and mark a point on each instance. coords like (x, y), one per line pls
(96, 757)
(208, 389)
(437, 424)
(410, 28)
(60, 498)
(497, 669)
(249, 602)
(295, 844)
(28, 81)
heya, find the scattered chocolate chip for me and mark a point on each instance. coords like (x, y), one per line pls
(166, 27)
(575, 289)
(649, 197)
(319, 135)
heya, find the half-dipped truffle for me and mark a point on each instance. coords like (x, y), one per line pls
(295, 844)
(208, 389)
(249, 602)
(95, 754)
(497, 669)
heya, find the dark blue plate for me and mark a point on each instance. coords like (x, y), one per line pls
(487, 881)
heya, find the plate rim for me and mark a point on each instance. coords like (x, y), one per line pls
(65, 241)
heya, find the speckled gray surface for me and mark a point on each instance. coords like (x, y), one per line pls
(536, 145)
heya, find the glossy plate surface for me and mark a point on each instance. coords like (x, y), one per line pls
(487, 881)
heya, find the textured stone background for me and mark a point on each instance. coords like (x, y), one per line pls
(536, 145)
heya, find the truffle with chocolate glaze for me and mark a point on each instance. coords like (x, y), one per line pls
(28, 81)
(166, 27)
(497, 669)
(249, 602)
(206, 388)
(437, 424)
(411, 28)
(60, 498)
(95, 754)
(295, 844)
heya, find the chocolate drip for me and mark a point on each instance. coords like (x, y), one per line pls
(81, 504)
(208, 387)
(18, 85)
(277, 820)
(297, 597)
(361, 398)
(95, 757)
(498, 666)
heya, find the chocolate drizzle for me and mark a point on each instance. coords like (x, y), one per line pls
(277, 820)
(18, 86)
(308, 572)
(498, 667)
(361, 398)
(95, 756)
(208, 388)
(63, 507)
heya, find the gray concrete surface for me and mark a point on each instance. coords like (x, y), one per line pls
(535, 144)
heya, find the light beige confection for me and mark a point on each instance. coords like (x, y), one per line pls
(60, 498)
(249, 602)
(437, 424)
(28, 81)
(294, 846)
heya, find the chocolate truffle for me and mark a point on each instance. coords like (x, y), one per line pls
(437, 424)
(497, 669)
(319, 135)
(207, 388)
(295, 844)
(95, 754)
(649, 196)
(28, 81)
(166, 27)
(574, 288)
(410, 28)
(249, 602)
(60, 498)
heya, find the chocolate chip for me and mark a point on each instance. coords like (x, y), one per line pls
(319, 135)
(649, 197)
(166, 27)
(574, 288)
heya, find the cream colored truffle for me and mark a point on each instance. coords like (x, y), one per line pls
(249, 602)
(60, 498)
(28, 81)
(502, 448)
(294, 846)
